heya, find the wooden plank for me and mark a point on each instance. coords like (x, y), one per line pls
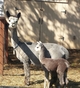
(1, 45)
(6, 44)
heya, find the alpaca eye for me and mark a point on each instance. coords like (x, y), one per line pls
(37, 47)
(16, 21)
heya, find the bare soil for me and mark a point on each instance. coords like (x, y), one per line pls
(13, 74)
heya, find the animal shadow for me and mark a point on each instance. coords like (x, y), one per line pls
(73, 84)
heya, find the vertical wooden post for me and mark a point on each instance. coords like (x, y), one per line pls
(1, 44)
(6, 42)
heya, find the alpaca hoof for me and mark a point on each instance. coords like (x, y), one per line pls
(51, 87)
(62, 83)
(67, 82)
(27, 83)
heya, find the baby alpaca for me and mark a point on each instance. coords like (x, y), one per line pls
(59, 65)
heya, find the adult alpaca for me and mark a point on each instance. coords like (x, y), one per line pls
(26, 51)
(59, 65)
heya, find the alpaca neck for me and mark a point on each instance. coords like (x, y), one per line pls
(14, 38)
(41, 55)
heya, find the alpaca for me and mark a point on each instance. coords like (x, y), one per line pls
(59, 65)
(25, 52)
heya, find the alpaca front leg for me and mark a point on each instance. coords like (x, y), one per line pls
(46, 83)
(53, 78)
(26, 73)
(46, 80)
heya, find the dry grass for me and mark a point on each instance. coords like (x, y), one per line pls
(13, 74)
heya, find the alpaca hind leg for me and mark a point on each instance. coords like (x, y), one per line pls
(66, 81)
(61, 79)
(26, 73)
(65, 78)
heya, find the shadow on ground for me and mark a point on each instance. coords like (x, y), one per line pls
(14, 71)
(73, 84)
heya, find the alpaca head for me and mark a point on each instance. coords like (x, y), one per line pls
(12, 20)
(39, 46)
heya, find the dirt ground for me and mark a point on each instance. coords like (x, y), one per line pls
(13, 74)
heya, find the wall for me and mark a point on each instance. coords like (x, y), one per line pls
(48, 21)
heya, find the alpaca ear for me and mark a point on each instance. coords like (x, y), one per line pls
(40, 42)
(7, 14)
(37, 42)
(18, 15)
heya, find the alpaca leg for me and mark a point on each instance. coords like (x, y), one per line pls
(46, 80)
(61, 79)
(53, 78)
(46, 83)
(65, 78)
(26, 73)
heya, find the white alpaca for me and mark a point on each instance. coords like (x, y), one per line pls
(26, 51)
